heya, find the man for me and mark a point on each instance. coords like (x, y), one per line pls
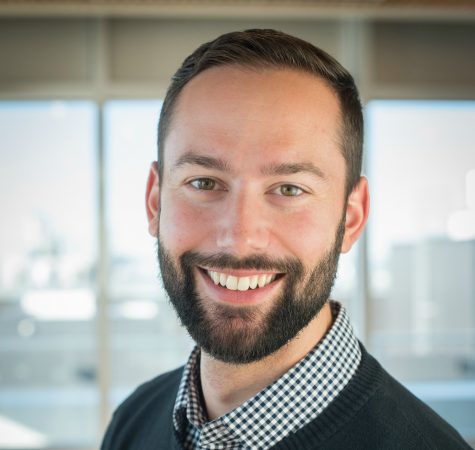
(256, 191)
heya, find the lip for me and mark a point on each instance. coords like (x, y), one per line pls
(220, 294)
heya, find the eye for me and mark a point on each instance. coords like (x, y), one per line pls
(204, 184)
(289, 190)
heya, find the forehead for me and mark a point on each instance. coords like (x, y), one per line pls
(253, 110)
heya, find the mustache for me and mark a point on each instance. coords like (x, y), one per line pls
(250, 262)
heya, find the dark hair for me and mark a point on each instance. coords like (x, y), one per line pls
(263, 48)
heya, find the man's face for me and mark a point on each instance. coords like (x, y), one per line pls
(252, 214)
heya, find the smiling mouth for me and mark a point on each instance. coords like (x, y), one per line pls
(234, 283)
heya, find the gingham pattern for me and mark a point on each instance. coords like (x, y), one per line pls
(292, 401)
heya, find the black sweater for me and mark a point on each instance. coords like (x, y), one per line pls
(372, 412)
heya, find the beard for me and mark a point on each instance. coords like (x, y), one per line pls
(244, 334)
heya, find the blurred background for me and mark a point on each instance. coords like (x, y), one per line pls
(83, 317)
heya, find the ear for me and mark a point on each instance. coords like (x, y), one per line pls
(357, 210)
(152, 198)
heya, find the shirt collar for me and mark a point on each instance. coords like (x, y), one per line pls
(286, 405)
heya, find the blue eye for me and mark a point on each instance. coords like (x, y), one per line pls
(204, 184)
(289, 190)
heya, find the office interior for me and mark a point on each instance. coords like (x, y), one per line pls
(83, 316)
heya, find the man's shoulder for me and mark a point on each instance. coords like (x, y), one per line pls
(144, 419)
(394, 407)
(375, 411)
(393, 417)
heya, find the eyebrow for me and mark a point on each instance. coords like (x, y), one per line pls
(211, 162)
(204, 161)
(292, 168)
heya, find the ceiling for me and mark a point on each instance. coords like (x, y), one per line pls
(420, 9)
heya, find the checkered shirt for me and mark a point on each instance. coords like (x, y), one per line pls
(283, 407)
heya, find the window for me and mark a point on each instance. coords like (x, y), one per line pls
(421, 253)
(422, 250)
(145, 338)
(47, 274)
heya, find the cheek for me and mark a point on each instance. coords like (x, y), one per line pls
(307, 234)
(182, 227)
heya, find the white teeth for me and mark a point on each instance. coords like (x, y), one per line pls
(243, 284)
(261, 282)
(222, 279)
(234, 283)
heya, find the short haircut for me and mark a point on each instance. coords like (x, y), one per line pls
(271, 49)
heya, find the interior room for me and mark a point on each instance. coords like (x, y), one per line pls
(84, 318)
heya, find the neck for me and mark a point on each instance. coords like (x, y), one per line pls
(226, 386)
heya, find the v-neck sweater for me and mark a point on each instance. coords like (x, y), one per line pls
(372, 412)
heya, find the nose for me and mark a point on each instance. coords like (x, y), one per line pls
(243, 226)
